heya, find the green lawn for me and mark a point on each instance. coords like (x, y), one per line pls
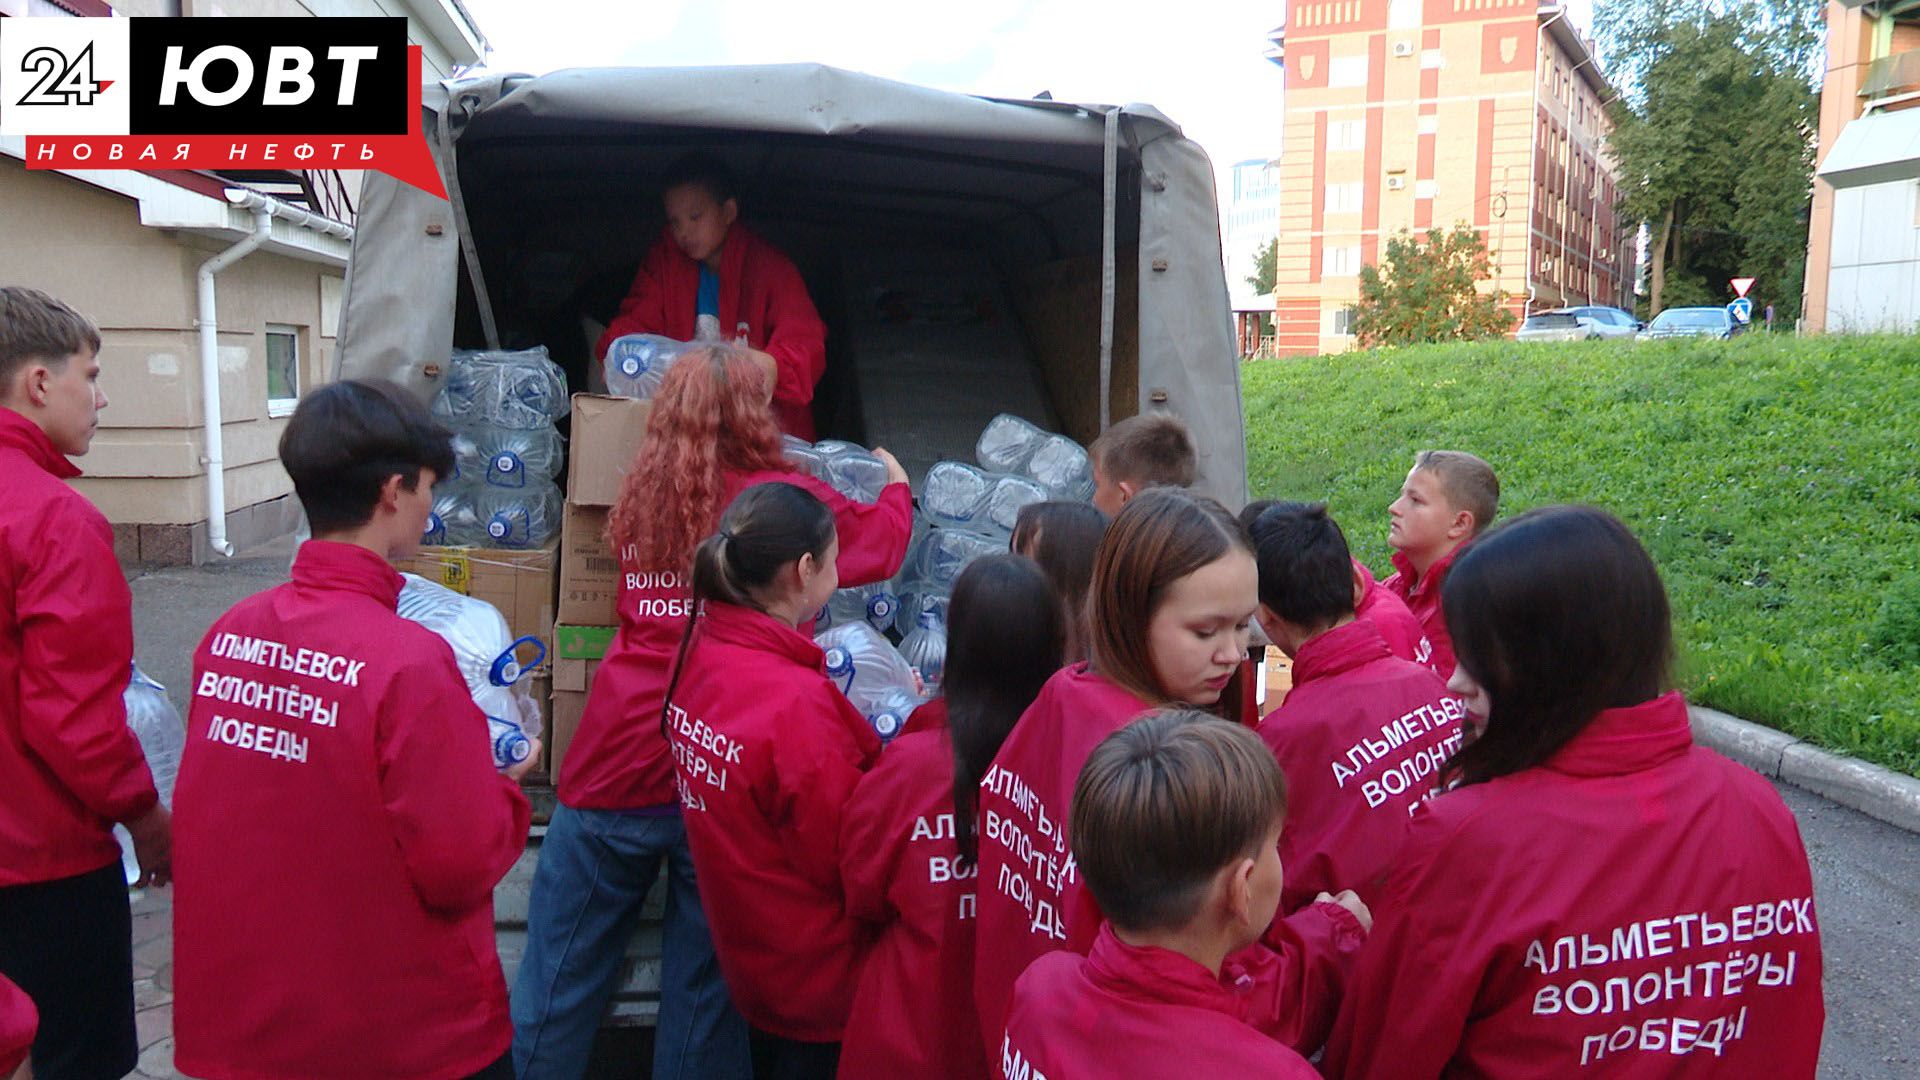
(1776, 481)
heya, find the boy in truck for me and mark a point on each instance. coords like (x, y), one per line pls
(710, 276)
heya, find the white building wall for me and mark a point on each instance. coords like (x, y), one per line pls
(1873, 281)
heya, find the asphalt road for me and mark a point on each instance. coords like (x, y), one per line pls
(1866, 874)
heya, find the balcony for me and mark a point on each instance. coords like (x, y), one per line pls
(1889, 75)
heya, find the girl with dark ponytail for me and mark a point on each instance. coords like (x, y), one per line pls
(908, 846)
(767, 752)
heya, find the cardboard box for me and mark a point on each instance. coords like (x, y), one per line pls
(577, 651)
(606, 434)
(1276, 678)
(520, 583)
(589, 573)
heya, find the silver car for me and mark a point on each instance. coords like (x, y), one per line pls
(1555, 326)
(1607, 322)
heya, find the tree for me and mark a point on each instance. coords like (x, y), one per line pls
(1714, 130)
(1266, 268)
(1425, 290)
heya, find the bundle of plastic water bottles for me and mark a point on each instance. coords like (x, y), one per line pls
(635, 364)
(490, 659)
(966, 511)
(502, 406)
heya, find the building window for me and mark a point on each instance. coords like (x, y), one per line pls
(1433, 59)
(1344, 198)
(1340, 321)
(1347, 135)
(1430, 124)
(283, 369)
(1340, 261)
(1425, 189)
(1347, 71)
(1403, 14)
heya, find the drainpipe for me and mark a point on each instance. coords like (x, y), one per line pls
(210, 372)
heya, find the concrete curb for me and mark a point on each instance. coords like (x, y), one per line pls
(1874, 791)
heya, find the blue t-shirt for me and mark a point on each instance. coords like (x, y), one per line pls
(707, 300)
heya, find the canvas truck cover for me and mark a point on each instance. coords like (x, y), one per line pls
(402, 282)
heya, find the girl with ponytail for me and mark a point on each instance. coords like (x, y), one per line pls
(710, 436)
(767, 752)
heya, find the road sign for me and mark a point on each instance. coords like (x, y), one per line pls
(1741, 285)
(1742, 309)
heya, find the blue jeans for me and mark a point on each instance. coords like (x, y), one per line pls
(596, 868)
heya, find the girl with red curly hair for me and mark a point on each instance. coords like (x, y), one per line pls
(712, 434)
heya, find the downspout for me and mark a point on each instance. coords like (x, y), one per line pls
(210, 374)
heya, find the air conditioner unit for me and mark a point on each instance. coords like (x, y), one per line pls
(1403, 48)
(1395, 183)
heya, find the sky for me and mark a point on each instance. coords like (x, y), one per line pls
(1200, 62)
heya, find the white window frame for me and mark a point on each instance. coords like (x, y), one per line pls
(278, 407)
(1347, 135)
(1429, 124)
(1425, 189)
(1340, 260)
(1347, 72)
(1345, 198)
(1336, 316)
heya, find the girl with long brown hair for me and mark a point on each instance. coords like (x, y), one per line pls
(710, 436)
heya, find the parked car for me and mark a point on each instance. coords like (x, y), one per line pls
(1555, 326)
(1713, 322)
(1608, 322)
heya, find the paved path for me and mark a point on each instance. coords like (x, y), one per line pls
(1866, 874)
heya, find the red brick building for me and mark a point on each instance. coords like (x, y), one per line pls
(1416, 114)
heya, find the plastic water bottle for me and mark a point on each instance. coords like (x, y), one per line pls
(891, 711)
(876, 603)
(468, 466)
(1008, 495)
(954, 493)
(1007, 443)
(942, 553)
(864, 665)
(509, 388)
(510, 745)
(519, 517)
(453, 521)
(926, 648)
(489, 658)
(156, 724)
(858, 475)
(637, 363)
(517, 457)
(1060, 465)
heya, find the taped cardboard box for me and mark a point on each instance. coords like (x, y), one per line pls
(1276, 678)
(520, 583)
(589, 573)
(606, 435)
(576, 657)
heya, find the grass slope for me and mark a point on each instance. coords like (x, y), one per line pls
(1776, 481)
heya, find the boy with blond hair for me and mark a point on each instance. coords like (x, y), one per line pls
(1175, 823)
(1448, 498)
(1153, 449)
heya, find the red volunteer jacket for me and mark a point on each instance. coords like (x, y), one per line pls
(1348, 802)
(618, 759)
(338, 831)
(767, 755)
(900, 866)
(1138, 1012)
(1031, 901)
(68, 765)
(1390, 615)
(1636, 907)
(18, 1022)
(1422, 597)
(759, 286)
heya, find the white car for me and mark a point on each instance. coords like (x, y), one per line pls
(1578, 324)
